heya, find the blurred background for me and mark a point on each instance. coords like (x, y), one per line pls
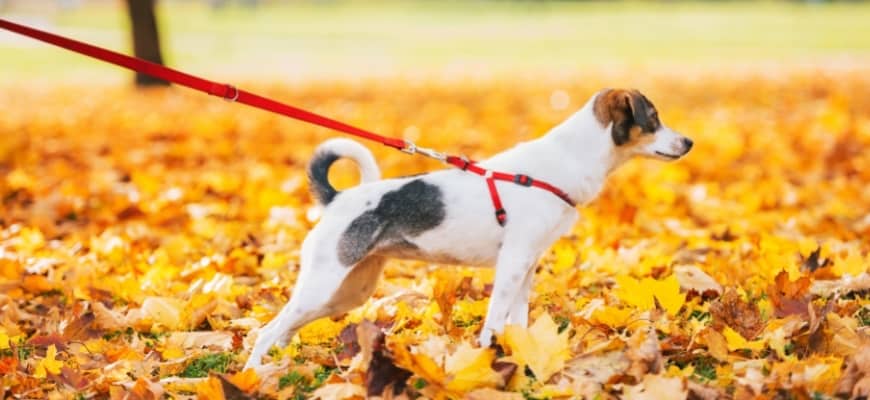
(301, 40)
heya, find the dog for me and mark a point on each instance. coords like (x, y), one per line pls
(446, 216)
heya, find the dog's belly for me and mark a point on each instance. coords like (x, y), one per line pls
(407, 250)
(458, 240)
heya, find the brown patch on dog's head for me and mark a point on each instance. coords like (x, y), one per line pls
(630, 112)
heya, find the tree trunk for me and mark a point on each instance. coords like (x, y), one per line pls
(146, 42)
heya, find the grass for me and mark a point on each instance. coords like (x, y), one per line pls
(287, 41)
(200, 367)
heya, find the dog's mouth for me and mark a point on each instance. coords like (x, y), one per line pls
(669, 156)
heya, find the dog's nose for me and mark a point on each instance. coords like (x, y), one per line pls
(687, 143)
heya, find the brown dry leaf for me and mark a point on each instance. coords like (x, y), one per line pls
(81, 328)
(146, 390)
(383, 375)
(370, 339)
(730, 310)
(107, 319)
(855, 381)
(715, 342)
(644, 353)
(790, 297)
(231, 391)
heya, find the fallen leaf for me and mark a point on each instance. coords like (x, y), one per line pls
(654, 387)
(540, 347)
(145, 389)
(731, 311)
(48, 364)
(736, 341)
(716, 343)
(790, 297)
(492, 394)
(644, 353)
(468, 368)
(644, 293)
(693, 278)
(343, 390)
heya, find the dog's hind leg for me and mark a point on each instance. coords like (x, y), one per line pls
(328, 291)
(519, 312)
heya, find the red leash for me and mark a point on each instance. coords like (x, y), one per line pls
(231, 93)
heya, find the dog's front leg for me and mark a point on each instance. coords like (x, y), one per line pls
(513, 266)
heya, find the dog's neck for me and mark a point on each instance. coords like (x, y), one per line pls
(576, 156)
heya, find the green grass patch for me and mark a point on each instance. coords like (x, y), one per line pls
(200, 367)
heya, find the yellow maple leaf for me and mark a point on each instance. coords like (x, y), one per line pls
(48, 365)
(323, 330)
(469, 369)
(853, 265)
(564, 256)
(643, 293)
(614, 317)
(420, 364)
(540, 347)
(736, 341)
(453, 374)
(248, 380)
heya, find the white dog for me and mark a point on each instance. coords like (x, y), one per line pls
(447, 216)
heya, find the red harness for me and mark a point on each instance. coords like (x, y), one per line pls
(519, 179)
(231, 93)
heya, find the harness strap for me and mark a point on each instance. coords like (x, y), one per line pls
(519, 179)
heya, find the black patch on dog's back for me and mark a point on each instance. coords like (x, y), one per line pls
(406, 212)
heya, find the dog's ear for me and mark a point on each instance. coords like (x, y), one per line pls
(625, 109)
(640, 110)
(613, 107)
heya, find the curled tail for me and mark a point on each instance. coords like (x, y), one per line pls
(329, 152)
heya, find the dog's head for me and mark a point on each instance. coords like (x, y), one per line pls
(635, 127)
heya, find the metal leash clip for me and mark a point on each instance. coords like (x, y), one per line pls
(412, 148)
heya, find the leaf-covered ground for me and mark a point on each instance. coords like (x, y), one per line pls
(145, 233)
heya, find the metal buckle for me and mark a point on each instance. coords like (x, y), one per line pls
(412, 148)
(501, 216)
(523, 180)
(465, 160)
(432, 154)
(409, 148)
